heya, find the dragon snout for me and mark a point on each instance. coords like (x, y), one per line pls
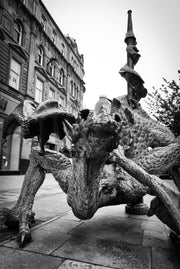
(82, 208)
(83, 214)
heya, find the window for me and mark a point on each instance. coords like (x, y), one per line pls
(18, 32)
(43, 22)
(15, 72)
(62, 101)
(61, 77)
(74, 93)
(63, 48)
(54, 37)
(38, 91)
(72, 88)
(51, 94)
(52, 69)
(40, 55)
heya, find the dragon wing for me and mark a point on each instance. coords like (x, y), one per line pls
(21, 113)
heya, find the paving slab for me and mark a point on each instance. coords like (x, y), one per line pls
(19, 259)
(109, 253)
(48, 237)
(51, 205)
(153, 225)
(162, 259)
(117, 210)
(60, 225)
(111, 239)
(68, 264)
(43, 242)
(156, 239)
(105, 227)
(70, 216)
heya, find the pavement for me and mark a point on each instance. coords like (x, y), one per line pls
(111, 239)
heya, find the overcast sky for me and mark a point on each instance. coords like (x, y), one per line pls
(99, 27)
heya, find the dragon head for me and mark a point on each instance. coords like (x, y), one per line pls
(95, 135)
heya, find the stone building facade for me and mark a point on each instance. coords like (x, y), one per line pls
(37, 62)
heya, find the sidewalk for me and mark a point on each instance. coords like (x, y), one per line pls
(111, 239)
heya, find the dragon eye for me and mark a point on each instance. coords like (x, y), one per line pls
(117, 118)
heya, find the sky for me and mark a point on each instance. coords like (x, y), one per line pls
(99, 28)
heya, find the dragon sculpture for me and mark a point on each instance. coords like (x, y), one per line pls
(117, 152)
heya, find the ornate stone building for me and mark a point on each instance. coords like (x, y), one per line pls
(37, 62)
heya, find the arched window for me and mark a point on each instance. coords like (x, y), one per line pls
(74, 94)
(40, 58)
(18, 32)
(61, 77)
(52, 69)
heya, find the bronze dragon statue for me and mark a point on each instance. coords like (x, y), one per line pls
(117, 152)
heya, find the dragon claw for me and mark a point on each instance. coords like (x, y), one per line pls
(23, 238)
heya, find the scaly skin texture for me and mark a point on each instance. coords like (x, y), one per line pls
(100, 174)
(152, 146)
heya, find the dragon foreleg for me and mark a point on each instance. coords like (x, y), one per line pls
(167, 203)
(21, 214)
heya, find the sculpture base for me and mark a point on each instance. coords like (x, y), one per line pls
(138, 208)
